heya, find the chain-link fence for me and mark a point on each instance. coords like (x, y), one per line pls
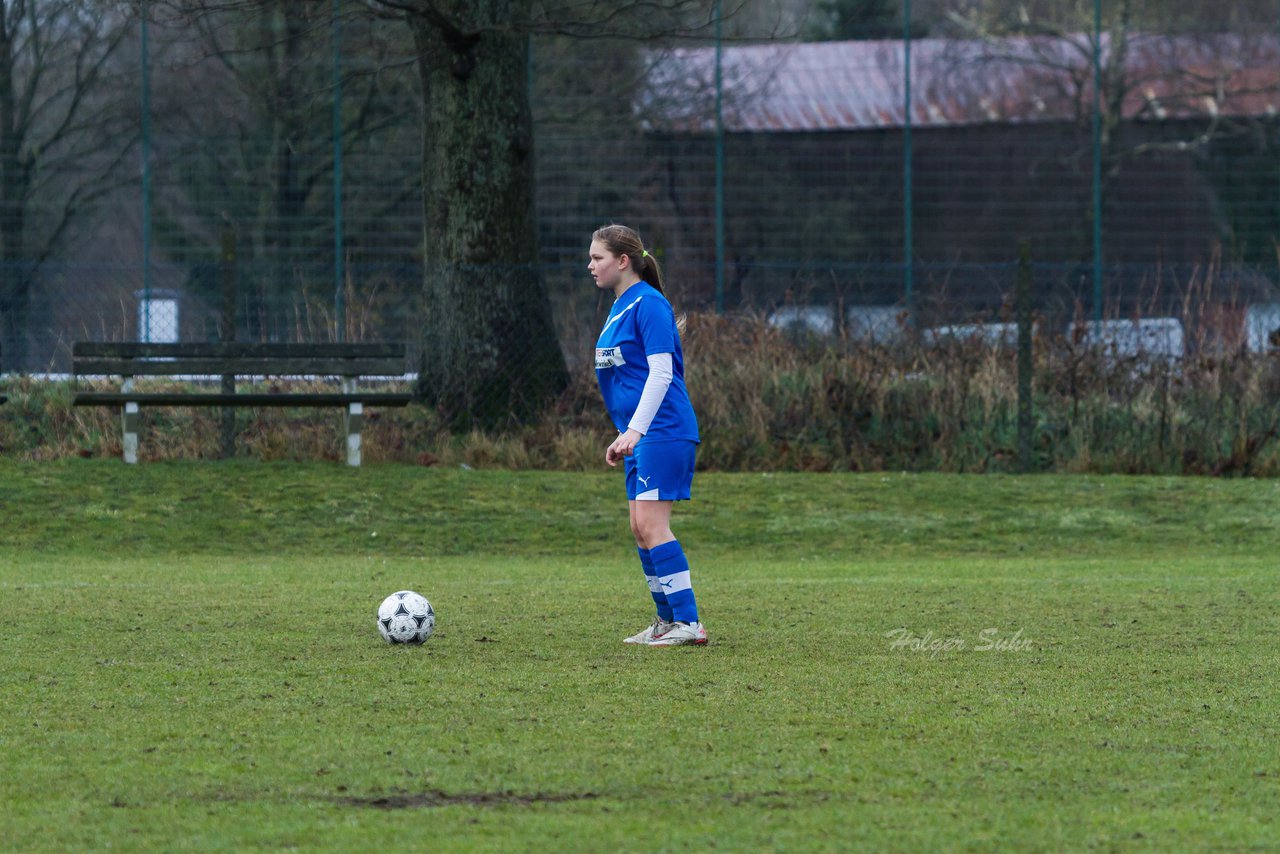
(256, 173)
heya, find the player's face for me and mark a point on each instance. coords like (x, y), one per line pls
(604, 266)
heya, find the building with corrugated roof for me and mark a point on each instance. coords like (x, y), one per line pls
(1001, 135)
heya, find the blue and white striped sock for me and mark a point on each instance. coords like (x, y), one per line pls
(655, 589)
(673, 579)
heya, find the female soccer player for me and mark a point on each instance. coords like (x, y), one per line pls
(640, 367)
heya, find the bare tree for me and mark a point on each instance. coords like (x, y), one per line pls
(62, 138)
(256, 155)
(489, 345)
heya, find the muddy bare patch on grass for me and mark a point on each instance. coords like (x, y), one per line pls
(437, 798)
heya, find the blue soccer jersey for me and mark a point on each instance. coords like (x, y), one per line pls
(641, 324)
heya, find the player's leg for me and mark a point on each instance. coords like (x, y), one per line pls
(651, 523)
(664, 620)
(664, 475)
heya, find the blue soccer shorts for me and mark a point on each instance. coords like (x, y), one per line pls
(661, 470)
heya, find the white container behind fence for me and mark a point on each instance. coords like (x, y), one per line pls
(157, 315)
(1262, 327)
(1152, 337)
(877, 323)
(804, 319)
(869, 323)
(993, 334)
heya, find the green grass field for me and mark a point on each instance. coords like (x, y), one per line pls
(898, 662)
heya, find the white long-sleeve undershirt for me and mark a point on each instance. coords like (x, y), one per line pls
(655, 389)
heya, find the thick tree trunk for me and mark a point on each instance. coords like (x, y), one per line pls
(490, 352)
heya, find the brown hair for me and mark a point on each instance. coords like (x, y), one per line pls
(621, 240)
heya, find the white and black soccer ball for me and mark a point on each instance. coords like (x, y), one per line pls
(406, 617)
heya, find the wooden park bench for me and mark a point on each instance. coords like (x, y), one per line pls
(346, 362)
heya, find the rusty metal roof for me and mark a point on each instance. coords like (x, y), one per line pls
(828, 86)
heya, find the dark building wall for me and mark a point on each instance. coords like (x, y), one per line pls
(817, 216)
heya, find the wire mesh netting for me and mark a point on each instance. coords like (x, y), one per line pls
(256, 173)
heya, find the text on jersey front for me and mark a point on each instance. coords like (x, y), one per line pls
(609, 357)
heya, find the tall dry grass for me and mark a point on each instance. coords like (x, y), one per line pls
(766, 402)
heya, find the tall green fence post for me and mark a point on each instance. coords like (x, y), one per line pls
(1025, 462)
(719, 164)
(908, 238)
(146, 173)
(227, 332)
(1097, 166)
(339, 264)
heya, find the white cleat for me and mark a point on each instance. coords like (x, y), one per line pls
(657, 627)
(681, 634)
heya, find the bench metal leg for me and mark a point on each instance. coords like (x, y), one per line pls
(354, 419)
(131, 421)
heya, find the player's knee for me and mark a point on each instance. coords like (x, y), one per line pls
(651, 532)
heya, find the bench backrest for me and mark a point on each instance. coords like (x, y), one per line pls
(132, 358)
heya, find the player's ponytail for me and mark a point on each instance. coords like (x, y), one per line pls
(650, 270)
(622, 240)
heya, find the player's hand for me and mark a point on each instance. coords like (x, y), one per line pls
(623, 446)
